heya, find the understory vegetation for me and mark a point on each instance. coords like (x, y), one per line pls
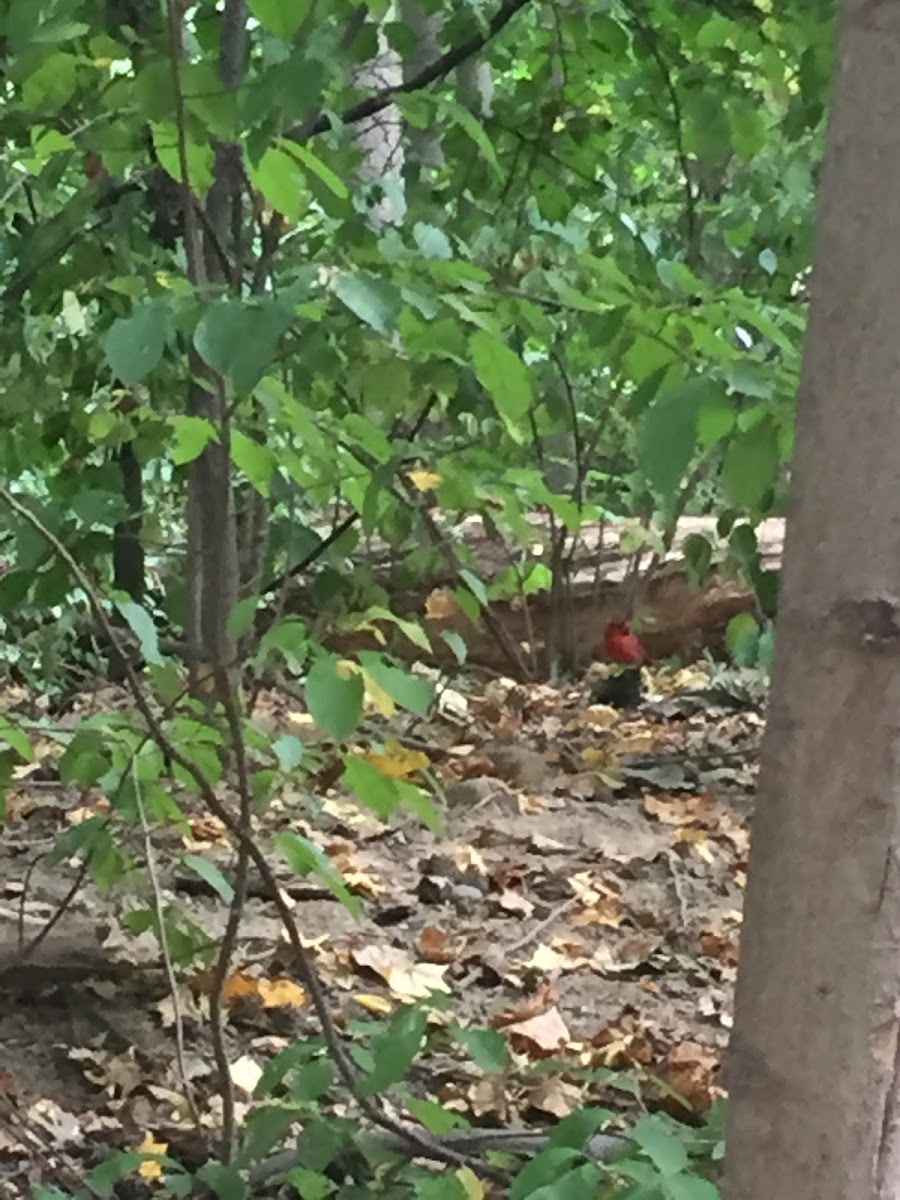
(361, 363)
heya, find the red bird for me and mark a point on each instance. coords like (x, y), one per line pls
(623, 646)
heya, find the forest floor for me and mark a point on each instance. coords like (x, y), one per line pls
(584, 897)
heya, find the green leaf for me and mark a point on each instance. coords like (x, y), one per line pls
(375, 301)
(741, 637)
(289, 751)
(335, 699)
(715, 418)
(239, 339)
(752, 379)
(141, 624)
(408, 690)
(457, 644)
(662, 1147)
(281, 18)
(420, 803)
(210, 874)
(256, 461)
(435, 1117)
(135, 344)
(434, 1187)
(748, 128)
(394, 1051)
(306, 859)
(475, 586)
(487, 1047)
(668, 436)
(241, 617)
(691, 1187)
(546, 1176)
(433, 242)
(503, 376)
(333, 182)
(16, 739)
(312, 1081)
(475, 130)
(200, 157)
(575, 1129)
(410, 629)
(281, 180)
(192, 436)
(751, 465)
(224, 1182)
(698, 552)
(374, 790)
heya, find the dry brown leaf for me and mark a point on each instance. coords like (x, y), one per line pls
(555, 1096)
(692, 1069)
(540, 1002)
(545, 959)
(441, 605)
(513, 902)
(545, 1033)
(682, 810)
(434, 945)
(407, 980)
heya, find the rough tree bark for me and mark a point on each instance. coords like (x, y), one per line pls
(815, 1057)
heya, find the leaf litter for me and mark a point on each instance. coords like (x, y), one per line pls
(582, 905)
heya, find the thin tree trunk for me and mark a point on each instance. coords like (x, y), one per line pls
(213, 575)
(815, 1058)
(379, 137)
(128, 549)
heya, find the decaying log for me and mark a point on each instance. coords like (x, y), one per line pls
(674, 618)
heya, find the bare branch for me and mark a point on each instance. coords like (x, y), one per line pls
(440, 68)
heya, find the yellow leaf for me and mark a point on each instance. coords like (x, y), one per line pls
(281, 993)
(378, 698)
(471, 1184)
(375, 1004)
(595, 756)
(422, 480)
(238, 986)
(397, 762)
(150, 1169)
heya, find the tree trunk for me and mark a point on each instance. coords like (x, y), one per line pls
(128, 549)
(815, 1056)
(213, 575)
(379, 138)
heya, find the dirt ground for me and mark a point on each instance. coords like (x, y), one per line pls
(584, 898)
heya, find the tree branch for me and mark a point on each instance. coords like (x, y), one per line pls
(440, 68)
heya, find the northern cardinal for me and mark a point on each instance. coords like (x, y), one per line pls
(625, 689)
(623, 646)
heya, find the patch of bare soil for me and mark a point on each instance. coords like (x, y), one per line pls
(584, 899)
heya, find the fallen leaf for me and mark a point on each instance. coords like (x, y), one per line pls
(245, 1074)
(441, 605)
(380, 1005)
(150, 1168)
(546, 1032)
(398, 762)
